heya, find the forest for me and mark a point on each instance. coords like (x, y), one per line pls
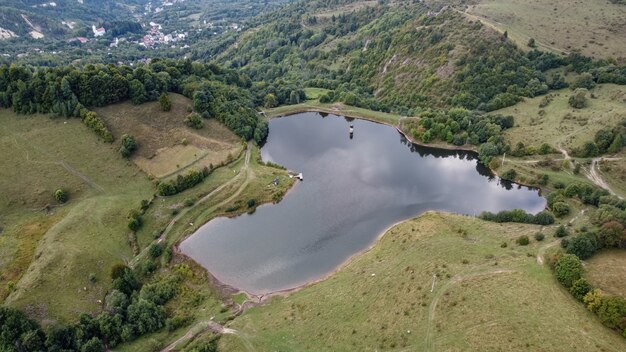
(67, 91)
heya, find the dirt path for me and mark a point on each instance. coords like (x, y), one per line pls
(429, 342)
(198, 329)
(595, 177)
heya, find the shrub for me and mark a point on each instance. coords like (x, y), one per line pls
(147, 267)
(561, 231)
(568, 269)
(580, 288)
(117, 271)
(194, 120)
(251, 203)
(578, 99)
(93, 121)
(585, 80)
(539, 236)
(509, 175)
(581, 246)
(561, 209)
(165, 102)
(155, 250)
(176, 322)
(612, 311)
(128, 145)
(167, 255)
(189, 202)
(134, 224)
(182, 182)
(523, 240)
(61, 195)
(592, 299)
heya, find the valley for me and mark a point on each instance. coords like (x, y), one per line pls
(463, 176)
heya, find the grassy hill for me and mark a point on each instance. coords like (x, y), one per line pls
(487, 296)
(68, 243)
(595, 28)
(167, 145)
(558, 124)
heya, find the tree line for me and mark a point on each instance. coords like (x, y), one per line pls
(70, 91)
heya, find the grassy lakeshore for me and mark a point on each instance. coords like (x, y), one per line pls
(484, 297)
(335, 108)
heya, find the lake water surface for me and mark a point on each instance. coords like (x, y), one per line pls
(353, 190)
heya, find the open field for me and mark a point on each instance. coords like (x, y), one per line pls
(50, 255)
(607, 270)
(335, 108)
(166, 144)
(434, 282)
(314, 93)
(558, 124)
(596, 28)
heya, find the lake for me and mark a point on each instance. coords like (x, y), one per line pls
(353, 190)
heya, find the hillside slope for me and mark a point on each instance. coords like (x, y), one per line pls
(391, 56)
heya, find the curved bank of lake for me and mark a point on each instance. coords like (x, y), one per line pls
(353, 189)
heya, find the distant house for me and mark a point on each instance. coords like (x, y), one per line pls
(98, 32)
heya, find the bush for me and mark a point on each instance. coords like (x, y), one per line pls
(165, 102)
(545, 148)
(509, 175)
(128, 145)
(539, 236)
(155, 250)
(118, 270)
(561, 231)
(134, 224)
(251, 203)
(581, 246)
(612, 311)
(580, 288)
(568, 269)
(561, 209)
(194, 120)
(585, 80)
(182, 182)
(61, 196)
(523, 240)
(176, 322)
(578, 99)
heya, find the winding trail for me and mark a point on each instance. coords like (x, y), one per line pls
(197, 329)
